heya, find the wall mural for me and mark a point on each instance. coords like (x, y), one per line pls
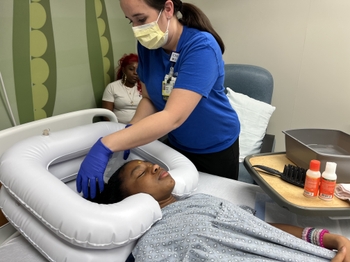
(99, 47)
(34, 56)
(34, 59)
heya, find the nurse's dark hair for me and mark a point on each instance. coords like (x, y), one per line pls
(114, 190)
(191, 16)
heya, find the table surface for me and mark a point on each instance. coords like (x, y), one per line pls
(290, 196)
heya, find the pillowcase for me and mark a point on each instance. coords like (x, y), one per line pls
(254, 116)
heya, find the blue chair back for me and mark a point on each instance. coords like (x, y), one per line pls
(253, 81)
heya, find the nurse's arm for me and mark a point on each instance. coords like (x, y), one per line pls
(144, 108)
(179, 106)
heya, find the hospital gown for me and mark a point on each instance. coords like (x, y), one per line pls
(206, 228)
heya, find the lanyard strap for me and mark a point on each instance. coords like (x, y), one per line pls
(173, 59)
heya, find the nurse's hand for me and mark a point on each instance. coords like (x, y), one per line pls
(92, 169)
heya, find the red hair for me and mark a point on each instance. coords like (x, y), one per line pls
(123, 62)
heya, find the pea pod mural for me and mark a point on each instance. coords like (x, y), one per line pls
(99, 47)
(34, 59)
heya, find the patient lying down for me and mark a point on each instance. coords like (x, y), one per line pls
(206, 228)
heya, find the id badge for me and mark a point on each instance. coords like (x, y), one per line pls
(167, 86)
(169, 79)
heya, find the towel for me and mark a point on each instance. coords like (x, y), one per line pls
(342, 191)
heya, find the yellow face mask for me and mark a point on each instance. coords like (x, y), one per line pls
(150, 35)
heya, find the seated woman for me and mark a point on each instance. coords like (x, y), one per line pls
(123, 95)
(203, 227)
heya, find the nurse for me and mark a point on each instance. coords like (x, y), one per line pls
(182, 73)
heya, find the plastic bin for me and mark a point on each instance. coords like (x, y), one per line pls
(325, 145)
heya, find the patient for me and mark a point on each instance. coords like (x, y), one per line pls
(204, 227)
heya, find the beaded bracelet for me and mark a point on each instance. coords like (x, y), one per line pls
(314, 236)
(305, 233)
(323, 231)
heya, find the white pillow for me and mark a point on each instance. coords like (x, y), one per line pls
(254, 116)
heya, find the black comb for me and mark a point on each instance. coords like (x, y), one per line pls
(292, 174)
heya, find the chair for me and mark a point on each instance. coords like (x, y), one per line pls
(255, 82)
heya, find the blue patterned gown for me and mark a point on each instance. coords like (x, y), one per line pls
(206, 228)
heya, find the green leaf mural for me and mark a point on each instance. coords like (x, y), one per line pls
(99, 47)
(34, 59)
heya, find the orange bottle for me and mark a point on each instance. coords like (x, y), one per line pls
(312, 180)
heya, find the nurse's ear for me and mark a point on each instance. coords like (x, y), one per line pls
(169, 9)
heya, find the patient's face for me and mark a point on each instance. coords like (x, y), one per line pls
(145, 177)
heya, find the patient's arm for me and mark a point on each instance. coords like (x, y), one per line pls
(330, 241)
(293, 230)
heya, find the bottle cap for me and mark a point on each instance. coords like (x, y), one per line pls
(315, 165)
(330, 167)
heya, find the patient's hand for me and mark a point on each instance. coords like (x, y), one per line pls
(340, 243)
(92, 169)
(341, 255)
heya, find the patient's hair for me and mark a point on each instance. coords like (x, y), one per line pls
(114, 190)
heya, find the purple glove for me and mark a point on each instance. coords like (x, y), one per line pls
(92, 169)
(127, 152)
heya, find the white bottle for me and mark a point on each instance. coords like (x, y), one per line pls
(312, 179)
(328, 182)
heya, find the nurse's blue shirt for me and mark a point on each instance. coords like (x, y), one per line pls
(213, 125)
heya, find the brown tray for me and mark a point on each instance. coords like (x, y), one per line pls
(287, 195)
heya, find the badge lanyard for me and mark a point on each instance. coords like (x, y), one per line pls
(170, 78)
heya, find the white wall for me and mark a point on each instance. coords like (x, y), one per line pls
(305, 44)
